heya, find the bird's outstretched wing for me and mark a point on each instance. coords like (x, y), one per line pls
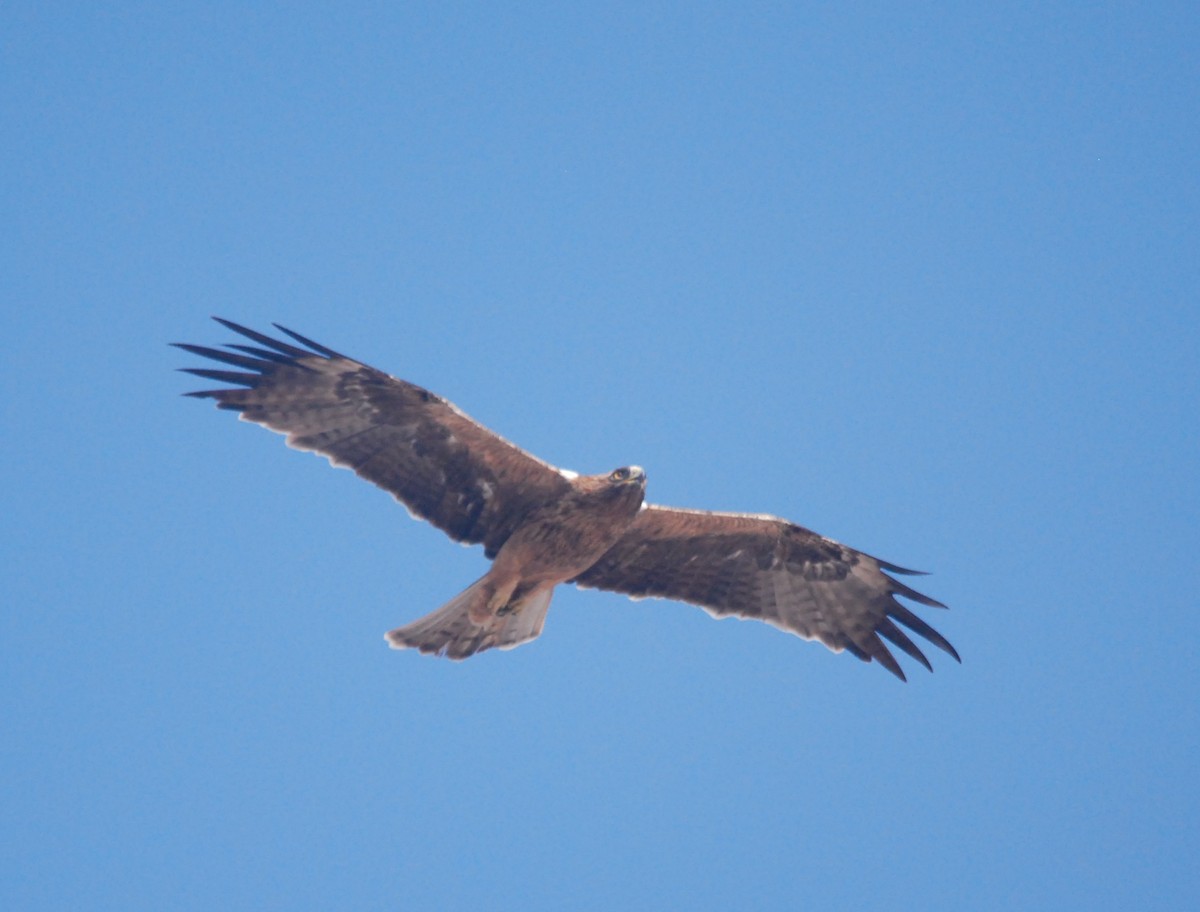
(445, 467)
(772, 570)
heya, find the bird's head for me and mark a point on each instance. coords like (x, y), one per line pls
(628, 475)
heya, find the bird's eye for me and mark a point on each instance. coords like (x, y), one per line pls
(619, 475)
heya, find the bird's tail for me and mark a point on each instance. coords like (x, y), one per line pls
(451, 631)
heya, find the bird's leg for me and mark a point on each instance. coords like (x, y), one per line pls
(517, 597)
(497, 604)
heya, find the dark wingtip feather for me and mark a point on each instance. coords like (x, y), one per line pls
(888, 661)
(215, 354)
(304, 340)
(878, 653)
(908, 592)
(897, 671)
(248, 380)
(282, 347)
(918, 626)
(896, 568)
(265, 355)
(855, 651)
(218, 395)
(897, 638)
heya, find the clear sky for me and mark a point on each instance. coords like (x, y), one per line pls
(922, 277)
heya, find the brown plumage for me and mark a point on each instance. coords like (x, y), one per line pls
(542, 526)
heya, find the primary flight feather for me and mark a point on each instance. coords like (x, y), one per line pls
(541, 526)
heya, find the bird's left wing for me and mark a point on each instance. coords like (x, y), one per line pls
(445, 467)
(767, 568)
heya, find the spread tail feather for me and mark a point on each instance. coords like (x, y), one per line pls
(450, 631)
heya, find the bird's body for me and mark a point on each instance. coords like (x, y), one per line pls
(542, 526)
(554, 543)
(563, 539)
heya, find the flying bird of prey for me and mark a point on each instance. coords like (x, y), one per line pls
(541, 525)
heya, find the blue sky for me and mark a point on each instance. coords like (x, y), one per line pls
(922, 279)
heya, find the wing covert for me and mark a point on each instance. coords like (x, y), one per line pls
(445, 467)
(767, 568)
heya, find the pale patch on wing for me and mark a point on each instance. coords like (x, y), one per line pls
(766, 517)
(777, 623)
(785, 596)
(774, 622)
(632, 598)
(567, 474)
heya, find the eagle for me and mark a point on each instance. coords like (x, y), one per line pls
(541, 525)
